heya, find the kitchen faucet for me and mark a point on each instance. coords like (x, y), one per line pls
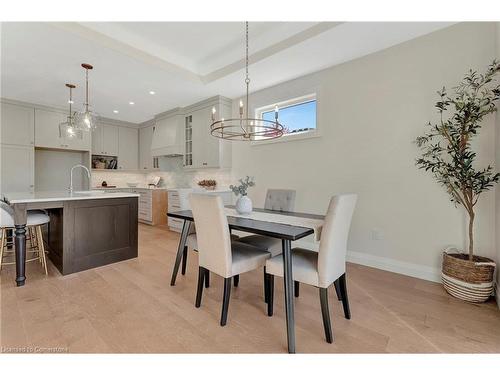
(71, 176)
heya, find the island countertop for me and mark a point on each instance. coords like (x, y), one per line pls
(65, 195)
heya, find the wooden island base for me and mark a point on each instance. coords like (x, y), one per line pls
(85, 234)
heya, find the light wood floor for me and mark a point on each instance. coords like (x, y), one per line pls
(130, 307)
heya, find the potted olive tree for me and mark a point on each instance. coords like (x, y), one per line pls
(448, 155)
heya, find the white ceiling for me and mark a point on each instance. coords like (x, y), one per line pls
(183, 62)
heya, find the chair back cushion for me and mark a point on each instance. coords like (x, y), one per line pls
(280, 200)
(6, 215)
(212, 233)
(333, 243)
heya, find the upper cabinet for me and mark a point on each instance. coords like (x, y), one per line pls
(105, 140)
(128, 148)
(201, 149)
(168, 134)
(48, 134)
(17, 124)
(146, 160)
(17, 167)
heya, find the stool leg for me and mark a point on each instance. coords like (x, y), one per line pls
(41, 248)
(2, 245)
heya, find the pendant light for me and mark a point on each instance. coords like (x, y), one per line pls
(68, 129)
(246, 128)
(86, 119)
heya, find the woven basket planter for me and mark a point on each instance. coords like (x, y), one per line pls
(471, 281)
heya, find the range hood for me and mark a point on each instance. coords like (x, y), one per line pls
(168, 136)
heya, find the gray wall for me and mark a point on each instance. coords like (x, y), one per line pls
(369, 111)
(52, 169)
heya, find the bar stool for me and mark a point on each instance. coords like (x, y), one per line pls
(35, 220)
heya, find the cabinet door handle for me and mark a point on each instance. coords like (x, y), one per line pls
(204, 163)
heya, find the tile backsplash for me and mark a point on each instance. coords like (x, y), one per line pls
(172, 173)
(172, 179)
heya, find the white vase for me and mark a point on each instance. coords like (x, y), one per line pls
(244, 205)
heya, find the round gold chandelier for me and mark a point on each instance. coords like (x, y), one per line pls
(246, 128)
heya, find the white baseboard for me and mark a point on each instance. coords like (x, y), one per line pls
(392, 265)
(386, 264)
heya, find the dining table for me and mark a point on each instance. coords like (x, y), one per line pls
(278, 229)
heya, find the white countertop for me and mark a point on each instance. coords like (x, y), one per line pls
(199, 190)
(53, 196)
(139, 187)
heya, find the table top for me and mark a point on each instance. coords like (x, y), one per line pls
(266, 228)
(57, 196)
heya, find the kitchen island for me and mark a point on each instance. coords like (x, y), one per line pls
(87, 229)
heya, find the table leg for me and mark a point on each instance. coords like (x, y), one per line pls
(20, 254)
(180, 250)
(288, 280)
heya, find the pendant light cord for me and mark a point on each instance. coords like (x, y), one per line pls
(70, 101)
(87, 89)
(247, 79)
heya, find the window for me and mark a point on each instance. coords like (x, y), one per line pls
(298, 116)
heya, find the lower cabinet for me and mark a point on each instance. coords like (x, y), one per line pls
(178, 200)
(18, 168)
(152, 206)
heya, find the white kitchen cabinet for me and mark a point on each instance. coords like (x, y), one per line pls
(48, 134)
(17, 168)
(201, 149)
(168, 135)
(17, 124)
(47, 129)
(128, 148)
(205, 146)
(178, 200)
(146, 160)
(105, 140)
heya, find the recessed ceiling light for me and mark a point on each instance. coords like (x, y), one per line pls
(131, 103)
(152, 92)
(71, 102)
(115, 111)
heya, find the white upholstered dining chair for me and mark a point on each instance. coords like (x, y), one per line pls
(280, 200)
(216, 252)
(325, 267)
(276, 200)
(192, 244)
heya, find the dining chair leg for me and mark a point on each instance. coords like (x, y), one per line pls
(337, 289)
(225, 300)
(184, 260)
(323, 296)
(296, 286)
(236, 280)
(270, 294)
(199, 290)
(207, 279)
(345, 299)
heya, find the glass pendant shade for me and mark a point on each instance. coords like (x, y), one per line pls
(67, 129)
(86, 119)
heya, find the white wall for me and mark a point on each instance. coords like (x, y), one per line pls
(370, 110)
